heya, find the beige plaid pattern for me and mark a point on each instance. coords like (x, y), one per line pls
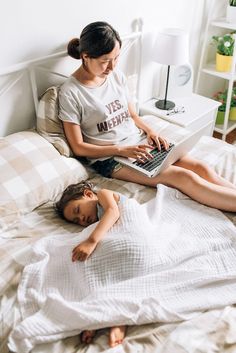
(48, 123)
(32, 172)
(215, 328)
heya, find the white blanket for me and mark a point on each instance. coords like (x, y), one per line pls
(163, 261)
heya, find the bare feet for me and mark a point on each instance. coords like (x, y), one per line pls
(116, 335)
(87, 336)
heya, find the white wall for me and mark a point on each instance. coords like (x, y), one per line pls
(30, 29)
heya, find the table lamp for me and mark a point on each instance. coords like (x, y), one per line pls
(171, 48)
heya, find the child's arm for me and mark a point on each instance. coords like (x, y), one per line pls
(108, 200)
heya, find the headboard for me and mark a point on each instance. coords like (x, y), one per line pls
(22, 85)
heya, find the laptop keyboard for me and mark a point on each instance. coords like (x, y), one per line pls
(158, 157)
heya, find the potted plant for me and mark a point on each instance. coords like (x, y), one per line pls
(221, 97)
(231, 11)
(232, 114)
(224, 51)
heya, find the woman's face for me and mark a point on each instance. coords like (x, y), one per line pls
(104, 64)
(82, 211)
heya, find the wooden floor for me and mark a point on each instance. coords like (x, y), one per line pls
(230, 138)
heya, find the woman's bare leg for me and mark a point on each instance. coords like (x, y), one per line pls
(187, 181)
(129, 174)
(204, 171)
(116, 335)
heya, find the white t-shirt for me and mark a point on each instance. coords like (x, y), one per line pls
(102, 112)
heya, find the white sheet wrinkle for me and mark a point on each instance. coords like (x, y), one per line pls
(165, 261)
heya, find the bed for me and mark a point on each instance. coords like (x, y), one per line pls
(36, 165)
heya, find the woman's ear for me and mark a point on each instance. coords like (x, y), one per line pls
(84, 56)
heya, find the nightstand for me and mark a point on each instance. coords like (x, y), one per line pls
(197, 110)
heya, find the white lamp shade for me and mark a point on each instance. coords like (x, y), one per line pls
(171, 47)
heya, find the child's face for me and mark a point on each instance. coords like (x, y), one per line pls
(82, 211)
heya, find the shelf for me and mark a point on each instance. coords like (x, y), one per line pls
(222, 23)
(210, 69)
(208, 66)
(220, 128)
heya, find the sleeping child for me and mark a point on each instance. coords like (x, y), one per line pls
(166, 260)
(81, 205)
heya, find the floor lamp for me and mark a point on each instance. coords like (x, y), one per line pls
(171, 48)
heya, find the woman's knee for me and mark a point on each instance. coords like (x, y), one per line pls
(181, 178)
(187, 177)
(202, 169)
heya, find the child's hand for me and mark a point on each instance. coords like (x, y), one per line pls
(82, 251)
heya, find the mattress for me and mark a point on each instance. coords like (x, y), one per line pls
(211, 331)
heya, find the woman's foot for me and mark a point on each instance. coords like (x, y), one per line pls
(116, 335)
(87, 336)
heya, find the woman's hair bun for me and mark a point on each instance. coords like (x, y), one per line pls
(73, 48)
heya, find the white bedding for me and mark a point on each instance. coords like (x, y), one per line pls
(183, 265)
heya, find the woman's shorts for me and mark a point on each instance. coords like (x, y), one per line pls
(106, 167)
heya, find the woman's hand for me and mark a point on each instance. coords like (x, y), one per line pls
(138, 152)
(82, 251)
(154, 139)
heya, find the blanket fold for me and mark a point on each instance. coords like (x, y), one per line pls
(164, 261)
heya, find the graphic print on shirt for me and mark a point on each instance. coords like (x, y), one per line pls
(117, 116)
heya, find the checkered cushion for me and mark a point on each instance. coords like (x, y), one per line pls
(48, 123)
(33, 172)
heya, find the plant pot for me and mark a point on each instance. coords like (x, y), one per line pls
(223, 63)
(232, 114)
(220, 117)
(231, 14)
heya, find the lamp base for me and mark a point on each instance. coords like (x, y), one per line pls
(164, 105)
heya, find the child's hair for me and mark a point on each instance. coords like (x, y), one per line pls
(72, 192)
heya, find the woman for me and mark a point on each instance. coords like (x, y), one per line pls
(100, 122)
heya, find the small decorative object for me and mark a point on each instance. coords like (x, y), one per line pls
(176, 110)
(180, 81)
(224, 51)
(231, 11)
(222, 98)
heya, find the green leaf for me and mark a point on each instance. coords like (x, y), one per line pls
(224, 44)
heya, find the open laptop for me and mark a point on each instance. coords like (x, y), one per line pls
(163, 159)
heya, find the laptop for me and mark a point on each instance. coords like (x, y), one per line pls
(163, 158)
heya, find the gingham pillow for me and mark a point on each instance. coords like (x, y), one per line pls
(48, 123)
(33, 172)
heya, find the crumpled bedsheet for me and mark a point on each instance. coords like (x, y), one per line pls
(165, 261)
